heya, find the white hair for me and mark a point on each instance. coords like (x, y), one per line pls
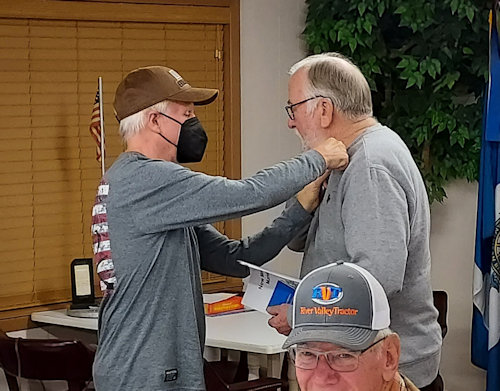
(384, 333)
(334, 76)
(133, 124)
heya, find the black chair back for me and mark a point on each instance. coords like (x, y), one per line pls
(441, 303)
(46, 359)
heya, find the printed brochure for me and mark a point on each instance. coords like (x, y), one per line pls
(267, 288)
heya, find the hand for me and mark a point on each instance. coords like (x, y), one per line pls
(310, 196)
(334, 152)
(279, 320)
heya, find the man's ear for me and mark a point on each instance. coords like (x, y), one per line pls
(152, 120)
(326, 112)
(390, 358)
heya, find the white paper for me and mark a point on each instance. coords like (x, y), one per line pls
(82, 280)
(267, 288)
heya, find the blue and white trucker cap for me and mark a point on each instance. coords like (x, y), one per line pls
(340, 303)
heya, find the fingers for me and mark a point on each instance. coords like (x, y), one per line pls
(282, 328)
(279, 321)
(334, 152)
(310, 196)
(319, 181)
(273, 310)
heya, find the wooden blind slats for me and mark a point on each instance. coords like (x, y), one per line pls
(48, 171)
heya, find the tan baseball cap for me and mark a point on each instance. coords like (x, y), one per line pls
(144, 87)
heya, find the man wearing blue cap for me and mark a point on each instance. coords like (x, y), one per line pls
(340, 338)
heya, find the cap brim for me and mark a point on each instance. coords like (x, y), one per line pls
(198, 96)
(353, 338)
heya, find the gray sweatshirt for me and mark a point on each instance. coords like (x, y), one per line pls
(376, 214)
(152, 236)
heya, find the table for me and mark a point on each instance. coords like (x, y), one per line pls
(244, 331)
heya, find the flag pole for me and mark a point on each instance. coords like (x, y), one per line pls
(101, 120)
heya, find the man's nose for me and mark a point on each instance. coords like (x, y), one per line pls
(323, 369)
(323, 363)
(291, 123)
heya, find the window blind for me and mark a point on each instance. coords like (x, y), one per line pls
(48, 171)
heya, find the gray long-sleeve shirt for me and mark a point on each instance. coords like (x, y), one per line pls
(376, 214)
(151, 236)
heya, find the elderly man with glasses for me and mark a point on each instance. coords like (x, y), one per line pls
(340, 338)
(375, 213)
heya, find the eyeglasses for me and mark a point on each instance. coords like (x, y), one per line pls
(289, 108)
(340, 361)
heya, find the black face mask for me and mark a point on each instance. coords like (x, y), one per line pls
(192, 140)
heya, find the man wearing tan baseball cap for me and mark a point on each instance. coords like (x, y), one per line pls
(152, 232)
(147, 86)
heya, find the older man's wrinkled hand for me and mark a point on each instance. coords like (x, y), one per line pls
(310, 196)
(279, 319)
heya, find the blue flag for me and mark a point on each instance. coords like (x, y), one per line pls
(485, 351)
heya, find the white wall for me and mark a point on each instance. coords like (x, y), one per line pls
(270, 44)
(452, 249)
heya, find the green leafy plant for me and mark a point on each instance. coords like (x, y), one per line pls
(427, 64)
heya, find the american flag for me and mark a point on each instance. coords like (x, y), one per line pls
(95, 126)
